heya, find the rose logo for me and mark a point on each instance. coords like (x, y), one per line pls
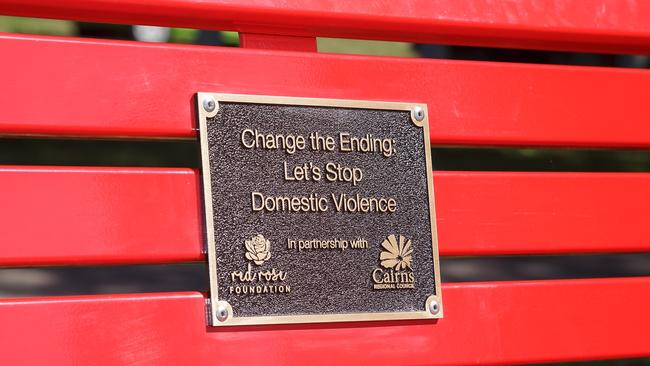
(258, 249)
(396, 255)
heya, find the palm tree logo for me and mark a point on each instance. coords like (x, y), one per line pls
(397, 253)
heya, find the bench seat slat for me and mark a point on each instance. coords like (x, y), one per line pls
(59, 215)
(489, 323)
(567, 25)
(506, 213)
(112, 88)
(62, 215)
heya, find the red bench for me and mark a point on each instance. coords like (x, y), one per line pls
(90, 215)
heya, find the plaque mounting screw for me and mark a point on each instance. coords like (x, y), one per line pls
(434, 307)
(222, 311)
(418, 113)
(209, 104)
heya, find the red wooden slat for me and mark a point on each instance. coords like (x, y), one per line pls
(57, 215)
(135, 89)
(133, 215)
(587, 25)
(542, 213)
(488, 323)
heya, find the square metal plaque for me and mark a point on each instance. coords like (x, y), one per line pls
(317, 210)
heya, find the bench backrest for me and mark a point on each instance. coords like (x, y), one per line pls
(94, 215)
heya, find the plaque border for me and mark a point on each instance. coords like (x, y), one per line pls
(208, 216)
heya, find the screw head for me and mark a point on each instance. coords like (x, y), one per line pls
(209, 104)
(418, 113)
(222, 311)
(434, 307)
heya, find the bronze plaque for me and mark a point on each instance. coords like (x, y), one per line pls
(317, 210)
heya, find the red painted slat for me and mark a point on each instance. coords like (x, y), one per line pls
(98, 88)
(58, 215)
(587, 25)
(541, 213)
(488, 323)
(135, 215)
